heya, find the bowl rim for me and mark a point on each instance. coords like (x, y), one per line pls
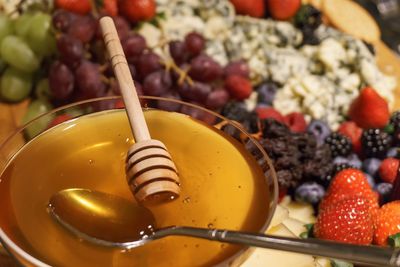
(9, 245)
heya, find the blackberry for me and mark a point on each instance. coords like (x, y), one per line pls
(326, 180)
(375, 143)
(395, 120)
(272, 129)
(339, 144)
(235, 111)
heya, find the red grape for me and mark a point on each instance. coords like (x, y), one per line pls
(133, 71)
(205, 69)
(196, 92)
(169, 105)
(116, 91)
(139, 88)
(178, 52)
(88, 79)
(133, 46)
(61, 81)
(71, 50)
(148, 63)
(198, 114)
(83, 28)
(217, 98)
(157, 83)
(194, 43)
(122, 26)
(239, 67)
(62, 19)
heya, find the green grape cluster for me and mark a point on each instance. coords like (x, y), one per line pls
(24, 44)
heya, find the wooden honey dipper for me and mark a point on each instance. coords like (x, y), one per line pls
(150, 171)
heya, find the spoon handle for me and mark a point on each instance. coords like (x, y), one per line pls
(125, 81)
(365, 255)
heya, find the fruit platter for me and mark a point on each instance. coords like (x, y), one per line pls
(310, 80)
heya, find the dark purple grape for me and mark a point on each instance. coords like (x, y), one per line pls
(178, 52)
(61, 81)
(239, 67)
(217, 99)
(148, 63)
(169, 105)
(194, 43)
(123, 27)
(197, 92)
(139, 88)
(71, 50)
(62, 19)
(133, 46)
(198, 114)
(205, 69)
(133, 71)
(157, 83)
(88, 80)
(83, 28)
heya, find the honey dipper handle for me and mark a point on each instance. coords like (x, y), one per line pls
(125, 81)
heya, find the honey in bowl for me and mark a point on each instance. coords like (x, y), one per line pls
(222, 186)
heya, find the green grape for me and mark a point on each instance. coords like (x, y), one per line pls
(39, 36)
(42, 89)
(36, 108)
(22, 25)
(18, 54)
(15, 85)
(6, 26)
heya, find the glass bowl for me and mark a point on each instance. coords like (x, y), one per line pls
(16, 142)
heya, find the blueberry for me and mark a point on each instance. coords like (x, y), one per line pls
(310, 192)
(392, 153)
(266, 92)
(354, 161)
(371, 166)
(370, 180)
(319, 129)
(384, 190)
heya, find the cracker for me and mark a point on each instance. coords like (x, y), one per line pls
(351, 18)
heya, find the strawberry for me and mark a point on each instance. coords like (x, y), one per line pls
(350, 183)
(283, 9)
(369, 110)
(353, 132)
(348, 221)
(59, 119)
(109, 7)
(137, 10)
(77, 6)
(238, 87)
(270, 113)
(388, 170)
(253, 8)
(296, 122)
(387, 223)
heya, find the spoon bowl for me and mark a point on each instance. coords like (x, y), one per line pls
(111, 221)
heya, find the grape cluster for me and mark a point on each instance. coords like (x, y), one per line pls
(26, 45)
(182, 71)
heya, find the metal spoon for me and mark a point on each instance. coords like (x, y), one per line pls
(111, 221)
